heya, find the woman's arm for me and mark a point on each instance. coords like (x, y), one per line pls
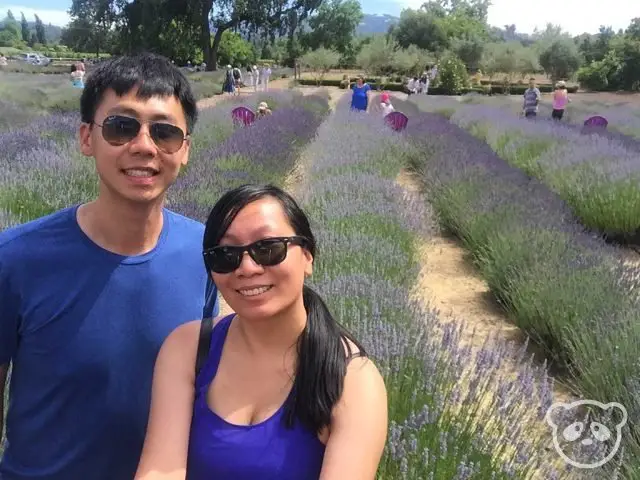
(164, 455)
(359, 425)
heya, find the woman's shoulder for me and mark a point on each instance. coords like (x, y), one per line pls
(185, 337)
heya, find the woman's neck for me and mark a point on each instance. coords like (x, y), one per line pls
(273, 335)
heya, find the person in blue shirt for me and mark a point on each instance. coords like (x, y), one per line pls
(360, 96)
(88, 294)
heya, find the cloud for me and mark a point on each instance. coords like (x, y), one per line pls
(54, 17)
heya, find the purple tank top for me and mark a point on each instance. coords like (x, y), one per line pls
(267, 450)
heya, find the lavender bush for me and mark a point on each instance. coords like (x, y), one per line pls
(596, 172)
(454, 412)
(566, 288)
(597, 175)
(263, 152)
(42, 170)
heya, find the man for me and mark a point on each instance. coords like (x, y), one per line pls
(88, 294)
(531, 99)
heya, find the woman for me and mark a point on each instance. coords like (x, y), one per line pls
(285, 392)
(360, 96)
(560, 100)
(77, 77)
(228, 86)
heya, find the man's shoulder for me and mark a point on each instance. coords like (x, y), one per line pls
(34, 232)
(185, 232)
(184, 222)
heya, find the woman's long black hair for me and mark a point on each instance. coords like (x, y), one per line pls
(322, 358)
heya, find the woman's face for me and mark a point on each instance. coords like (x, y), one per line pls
(360, 82)
(253, 290)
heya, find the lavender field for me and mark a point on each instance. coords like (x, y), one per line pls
(596, 173)
(457, 411)
(574, 294)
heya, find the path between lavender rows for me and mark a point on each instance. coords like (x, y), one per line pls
(448, 281)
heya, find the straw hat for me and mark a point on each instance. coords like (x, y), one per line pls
(561, 83)
(263, 106)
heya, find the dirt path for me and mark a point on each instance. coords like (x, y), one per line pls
(450, 283)
(278, 84)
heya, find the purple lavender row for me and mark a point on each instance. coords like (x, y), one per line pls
(261, 153)
(367, 225)
(567, 289)
(597, 174)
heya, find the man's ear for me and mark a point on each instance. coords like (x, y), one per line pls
(84, 136)
(187, 149)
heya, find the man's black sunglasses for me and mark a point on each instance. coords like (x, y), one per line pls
(267, 252)
(119, 130)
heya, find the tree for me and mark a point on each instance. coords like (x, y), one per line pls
(40, 31)
(561, 59)
(422, 29)
(223, 15)
(469, 51)
(10, 31)
(235, 50)
(26, 32)
(383, 57)
(334, 26)
(452, 75)
(320, 61)
(99, 16)
(633, 31)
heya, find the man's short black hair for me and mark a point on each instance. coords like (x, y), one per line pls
(153, 75)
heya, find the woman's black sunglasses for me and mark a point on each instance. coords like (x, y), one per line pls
(267, 252)
(119, 130)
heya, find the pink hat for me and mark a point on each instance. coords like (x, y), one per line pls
(384, 97)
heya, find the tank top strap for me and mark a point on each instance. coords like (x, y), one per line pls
(210, 367)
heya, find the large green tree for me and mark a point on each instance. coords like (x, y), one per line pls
(26, 31)
(334, 25)
(40, 35)
(99, 16)
(271, 16)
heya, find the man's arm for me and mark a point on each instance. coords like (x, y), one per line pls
(4, 369)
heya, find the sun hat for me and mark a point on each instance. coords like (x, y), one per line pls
(561, 83)
(263, 106)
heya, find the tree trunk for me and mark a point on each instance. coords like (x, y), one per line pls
(213, 52)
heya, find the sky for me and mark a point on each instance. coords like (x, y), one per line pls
(575, 16)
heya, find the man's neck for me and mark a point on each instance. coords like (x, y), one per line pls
(122, 227)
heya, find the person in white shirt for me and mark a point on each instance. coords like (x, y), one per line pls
(385, 104)
(256, 78)
(266, 73)
(412, 86)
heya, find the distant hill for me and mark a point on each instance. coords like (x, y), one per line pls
(372, 24)
(51, 32)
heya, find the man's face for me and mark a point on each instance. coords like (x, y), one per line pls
(138, 171)
(532, 84)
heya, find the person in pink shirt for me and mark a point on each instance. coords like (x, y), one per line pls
(560, 100)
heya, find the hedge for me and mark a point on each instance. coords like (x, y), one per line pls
(399, 87)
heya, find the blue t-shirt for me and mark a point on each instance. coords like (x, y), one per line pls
(82, 327)
(359, 98)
